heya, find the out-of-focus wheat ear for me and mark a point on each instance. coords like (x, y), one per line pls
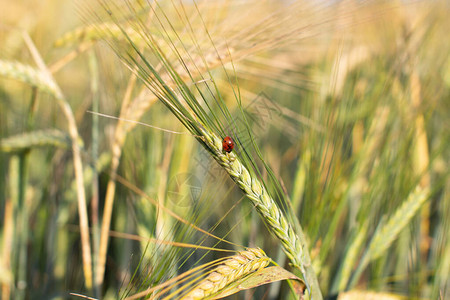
(97, 32)
(29, 75)
(293, 245)
(38, 138)
(384, 238)
(388, 233)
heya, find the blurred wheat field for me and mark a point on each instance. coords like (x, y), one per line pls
(115, 182)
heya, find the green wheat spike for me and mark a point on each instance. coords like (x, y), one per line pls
(39, 138)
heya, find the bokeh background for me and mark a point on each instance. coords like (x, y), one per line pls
(349, 102)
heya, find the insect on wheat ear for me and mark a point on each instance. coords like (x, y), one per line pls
(227, 144)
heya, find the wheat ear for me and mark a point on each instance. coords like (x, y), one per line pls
(385, 236)
(30, 75)
(232, 269)
(37, 138)
(295, 248)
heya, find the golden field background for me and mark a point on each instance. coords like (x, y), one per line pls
(348, 103)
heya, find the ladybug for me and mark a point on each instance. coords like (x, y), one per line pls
(227, 144)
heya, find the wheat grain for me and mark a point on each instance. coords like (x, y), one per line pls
(232, 269)
(220, 275)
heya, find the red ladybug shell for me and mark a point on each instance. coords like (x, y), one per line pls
(227, 144)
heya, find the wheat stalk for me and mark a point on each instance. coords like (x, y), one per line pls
(350, 257)
(294, 246)
(77, 161)
(43, 79)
